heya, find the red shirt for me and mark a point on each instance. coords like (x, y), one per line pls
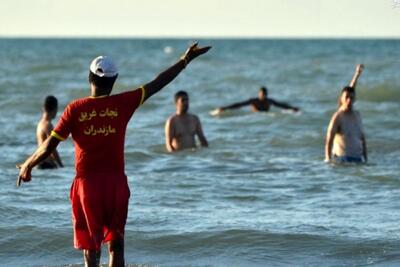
(98, 127)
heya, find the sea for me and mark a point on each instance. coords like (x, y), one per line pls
(259, 195)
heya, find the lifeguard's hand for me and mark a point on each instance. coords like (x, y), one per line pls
(24, 173)
(194, 51)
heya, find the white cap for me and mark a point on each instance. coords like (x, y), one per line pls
(103, 66)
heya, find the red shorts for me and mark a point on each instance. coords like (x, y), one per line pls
(99, 209)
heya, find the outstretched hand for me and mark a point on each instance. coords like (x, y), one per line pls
(24, 173)
(194, 51)
(216, 112)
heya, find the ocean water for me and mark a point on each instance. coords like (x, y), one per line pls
(260, 195)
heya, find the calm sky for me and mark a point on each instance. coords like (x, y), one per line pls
(200, 18)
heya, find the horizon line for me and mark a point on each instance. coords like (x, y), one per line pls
(176, 37)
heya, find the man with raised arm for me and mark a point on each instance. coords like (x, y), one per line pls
(182, 127)
(345, 138)
(97, 124)
(261, 103)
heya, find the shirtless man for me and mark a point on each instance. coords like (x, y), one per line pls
(181, 128)
(261, 103)
(345, 131)
(44, 129)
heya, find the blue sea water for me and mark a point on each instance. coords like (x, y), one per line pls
(260, 195)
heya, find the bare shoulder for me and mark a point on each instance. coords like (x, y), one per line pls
(171, 119)
(336, 118)
(194, 118)
(43, 125)
(357, 115)
(337, 115)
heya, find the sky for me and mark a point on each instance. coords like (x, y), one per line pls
(201, 18)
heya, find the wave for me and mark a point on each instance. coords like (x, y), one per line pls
(381, 93)
(234, 247)
(255, 247)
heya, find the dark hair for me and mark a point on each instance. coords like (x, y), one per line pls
(347, 89)
(50, 103)
(102, 82)
(264, 89)
(180, 94)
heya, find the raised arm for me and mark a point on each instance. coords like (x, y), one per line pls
(283, 105)
(357, 74)
(170, 74)
(330, 135)
(41, 153)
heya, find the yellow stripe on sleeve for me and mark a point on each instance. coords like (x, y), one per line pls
(56, 135)
(143, 94)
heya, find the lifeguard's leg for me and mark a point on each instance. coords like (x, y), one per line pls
(91, 257)
(116, 251)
